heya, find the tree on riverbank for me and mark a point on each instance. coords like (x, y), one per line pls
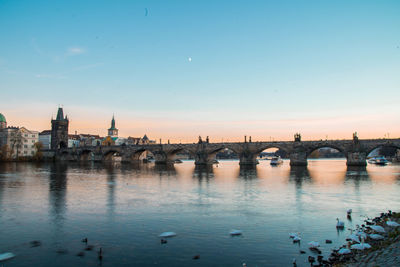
(38, 153)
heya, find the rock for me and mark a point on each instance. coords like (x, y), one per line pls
(89, 247)
(35, 243)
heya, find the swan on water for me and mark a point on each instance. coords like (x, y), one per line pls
(339, 224)
(349, 211)
(360, 233)
(361, 246)
(345, 250)
(377, 228)
(296, 239)
(353, 237)
(167, 234)
(313, 244)
(376, 236)
(235, 232)
(293, 235)
(392, 223)
(6, 256)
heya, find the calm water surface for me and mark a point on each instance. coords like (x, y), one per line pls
(124, 208)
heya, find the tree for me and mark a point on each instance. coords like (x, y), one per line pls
(38, 153)
(16, 141)
(5, 152)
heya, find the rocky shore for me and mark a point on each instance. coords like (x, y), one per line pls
(383, 235)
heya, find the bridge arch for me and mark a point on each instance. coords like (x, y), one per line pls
(311, 149)
(172, 154)
(141, 155)
(388, 145)
(87, 155)
(64, 155)
(272, 146)
(112, 155)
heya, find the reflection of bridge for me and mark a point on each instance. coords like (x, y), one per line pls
(204, 153)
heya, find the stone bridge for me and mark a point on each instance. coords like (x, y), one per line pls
(355, 150)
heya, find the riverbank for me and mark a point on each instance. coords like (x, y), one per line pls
(385, 252)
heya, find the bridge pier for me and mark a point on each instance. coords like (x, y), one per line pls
(247, 158)
(356, 159)
(162, 158)
(298, 158)
(202, 158)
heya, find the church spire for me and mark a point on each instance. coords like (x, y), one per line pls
(113, 132)
(60, 114)
(113, 123)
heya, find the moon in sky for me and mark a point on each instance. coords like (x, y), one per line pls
(190, 59)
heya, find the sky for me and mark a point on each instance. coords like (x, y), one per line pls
(179, 69)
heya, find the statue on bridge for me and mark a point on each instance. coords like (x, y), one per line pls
(200, 140)
(355, 137)
(207, 140)
(297, 137)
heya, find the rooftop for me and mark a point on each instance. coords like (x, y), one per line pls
(2, 118)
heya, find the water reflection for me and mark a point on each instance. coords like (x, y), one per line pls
(111, 184)
(201, 172)
(299, 175)
(164, 170)
(124, 207)
(358, 175)
(248, 172)
(57, 192)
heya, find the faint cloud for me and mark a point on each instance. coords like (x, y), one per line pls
(42, 76)
(86, 67)
(72, 51)
(36, 47)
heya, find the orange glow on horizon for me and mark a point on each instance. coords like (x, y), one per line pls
(218, 129)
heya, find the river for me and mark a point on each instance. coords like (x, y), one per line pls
(123, 208)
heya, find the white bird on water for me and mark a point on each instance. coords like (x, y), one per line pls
(296, 239)
(349, 211)
(361, 246)
(235, 232)
(293, 235)
(353, 237)
(313, 244)
(6, 256)
(376, 237)
(339, 224)
(377, 228)
(360, 233)
(345, 250)
(392, 223)
(167, 234)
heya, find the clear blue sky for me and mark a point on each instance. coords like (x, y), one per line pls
(261, 67)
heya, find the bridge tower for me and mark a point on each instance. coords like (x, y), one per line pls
(113, 132)
(59, 131)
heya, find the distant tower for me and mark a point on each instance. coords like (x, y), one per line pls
(113, 132)
(59, 131)
(3, 122)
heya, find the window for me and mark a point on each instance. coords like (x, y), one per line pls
(32, 152)
(25, 152)
(33, 135)
(25, 146)
(33, 141)
(26, 135)
(25, 140)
